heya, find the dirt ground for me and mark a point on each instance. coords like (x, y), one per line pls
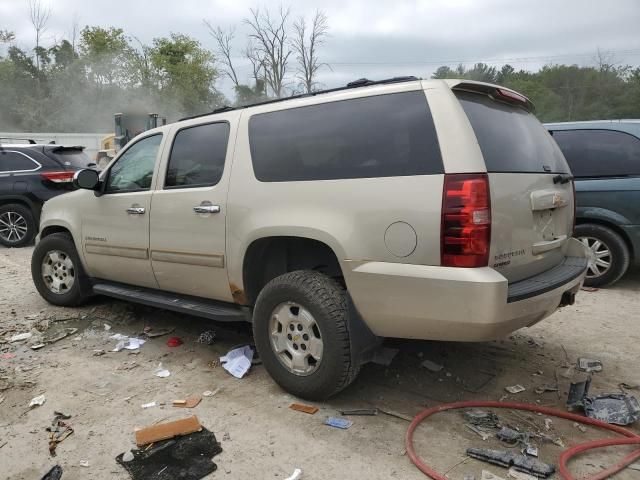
(260, 436)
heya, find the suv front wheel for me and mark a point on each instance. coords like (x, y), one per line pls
(57, 272)
(300, 331)
(608, 254)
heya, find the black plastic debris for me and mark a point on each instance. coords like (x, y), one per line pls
(519, 462)
(578, 391)
(54, 474)
(511, 436)
(480, 418)
(188, 458)
(614, 408)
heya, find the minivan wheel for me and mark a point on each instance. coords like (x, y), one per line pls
(17, 225)
(300, 331)
(57, 272)
(608, 254)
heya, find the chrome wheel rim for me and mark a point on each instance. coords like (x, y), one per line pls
(599, 256)
(58, 272)
(296, 338)
(13, 227)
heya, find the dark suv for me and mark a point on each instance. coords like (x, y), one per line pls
(31, 174)
(604, 157)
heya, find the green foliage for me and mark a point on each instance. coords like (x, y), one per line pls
(565, 92)
(80, 90)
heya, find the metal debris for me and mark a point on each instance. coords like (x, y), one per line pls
(589, 365)
(519, 462)
(481, 418)
(360, 412)
(614, 408)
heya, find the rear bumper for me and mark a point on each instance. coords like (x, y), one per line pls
(458, 304)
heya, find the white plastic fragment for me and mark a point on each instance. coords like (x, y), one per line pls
(37, 401)
(161, 372)
(21, 336)
(107, 327)
(149, 405)
(515, 389)
(128, 456)
(432, 366)
(238, 361)
(297, 474)
(132, 343)
(84, 463)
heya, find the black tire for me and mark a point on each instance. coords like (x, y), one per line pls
(326, 300)
(619, 253)
(76, 294)
(23, 212)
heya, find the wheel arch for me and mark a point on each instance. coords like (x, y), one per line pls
(271, 256)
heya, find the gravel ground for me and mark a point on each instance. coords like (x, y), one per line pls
(260, 436)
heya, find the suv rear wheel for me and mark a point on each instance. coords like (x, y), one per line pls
(57, 271)
(300, 331)
(608, 254)
(17, 225)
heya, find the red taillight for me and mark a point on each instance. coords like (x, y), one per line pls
(508, 94)
(465, 234)
(58, 177)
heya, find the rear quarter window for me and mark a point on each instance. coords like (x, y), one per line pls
(75, 158)
(378, 136)
(11, 161)
(511, 138)
(600, 153)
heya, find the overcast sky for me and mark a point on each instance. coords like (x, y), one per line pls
(380, 38)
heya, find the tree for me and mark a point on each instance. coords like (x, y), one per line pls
(307, 48)
(223, 40)
(185, 73)
(269, 32)
(39, 16)
(105, 52)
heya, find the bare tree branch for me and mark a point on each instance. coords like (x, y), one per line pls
(223, 40)
(39, 15)
(75, 30)
(306, 48)
(271, 42)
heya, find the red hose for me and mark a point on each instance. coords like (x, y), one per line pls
(632, 439)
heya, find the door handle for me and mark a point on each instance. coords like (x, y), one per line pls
(207, 209)
(136, 210)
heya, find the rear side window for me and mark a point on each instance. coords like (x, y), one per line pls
(15, 162)
(381, 136)
(511, 138)
(197, 156)
(599, 153)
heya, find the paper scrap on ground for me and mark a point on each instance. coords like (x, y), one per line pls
(515, 389)
(132, 343)
(37, 401)
(297, 474)
(21, 336)
(238, 361)
(149, 405)
(161, 372)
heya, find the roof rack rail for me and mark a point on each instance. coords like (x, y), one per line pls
(30, 140)
(361, 82)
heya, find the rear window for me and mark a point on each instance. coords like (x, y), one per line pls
(600, 153)
(380, 136)
(511, 138)
(75, 158)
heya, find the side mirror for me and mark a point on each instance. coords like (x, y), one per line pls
(87, 179)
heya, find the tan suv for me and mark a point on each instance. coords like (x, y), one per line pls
(427, 209)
